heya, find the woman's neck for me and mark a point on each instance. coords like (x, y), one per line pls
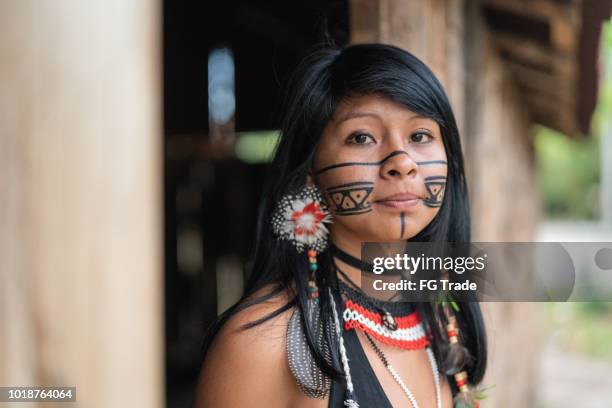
(347, 258)
(351, 248)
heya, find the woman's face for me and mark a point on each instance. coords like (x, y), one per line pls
(382, 170)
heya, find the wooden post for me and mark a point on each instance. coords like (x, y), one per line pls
(80, 199)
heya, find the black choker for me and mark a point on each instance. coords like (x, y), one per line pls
(353, 292)
(351, 260)
(356, 262)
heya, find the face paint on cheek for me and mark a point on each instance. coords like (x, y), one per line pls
(431, 162)
(376, 163)
(435, 186)
(350, 198)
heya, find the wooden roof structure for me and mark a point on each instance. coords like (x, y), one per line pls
(551, 48)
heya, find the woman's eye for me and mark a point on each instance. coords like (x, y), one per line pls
(361, 138)
(421, 137)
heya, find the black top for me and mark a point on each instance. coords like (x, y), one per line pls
(368, 391)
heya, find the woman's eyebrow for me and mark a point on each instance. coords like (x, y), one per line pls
(360, 114)
(356, 114)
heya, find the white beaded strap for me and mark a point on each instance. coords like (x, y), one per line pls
(404, 387)
(347, 370)
(402, 384)
(436, 374)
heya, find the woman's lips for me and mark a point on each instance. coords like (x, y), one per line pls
(399, 201)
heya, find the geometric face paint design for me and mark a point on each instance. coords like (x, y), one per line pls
(435, 186)
(351, 198)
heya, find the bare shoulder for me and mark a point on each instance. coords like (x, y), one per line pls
(248, 367)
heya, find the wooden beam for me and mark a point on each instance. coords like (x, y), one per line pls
(543, 9)
(529, 62)
(525, 50)
(551, 112)
(564, 19)
(563, 35)
(545, 83)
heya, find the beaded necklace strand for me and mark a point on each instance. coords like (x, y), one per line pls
(398, 379)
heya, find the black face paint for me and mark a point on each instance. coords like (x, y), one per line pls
(402, 225)
(425, 163)
(378, 163)
(351, 198)
(435, 189)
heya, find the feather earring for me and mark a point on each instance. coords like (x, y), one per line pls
(300, 218)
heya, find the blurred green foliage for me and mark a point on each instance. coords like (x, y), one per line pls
(604, 108)
(568, 174)
(256, 147)
(581, 327)
(568, 168)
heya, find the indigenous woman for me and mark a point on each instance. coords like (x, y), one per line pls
(369, 152)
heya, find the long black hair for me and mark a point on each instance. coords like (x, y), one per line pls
(318, 85)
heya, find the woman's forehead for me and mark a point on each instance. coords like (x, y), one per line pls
(377, 107)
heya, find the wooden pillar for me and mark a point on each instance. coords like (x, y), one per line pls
(500, 163)
(80, 199)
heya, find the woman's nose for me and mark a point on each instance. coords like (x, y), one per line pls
(398, 164)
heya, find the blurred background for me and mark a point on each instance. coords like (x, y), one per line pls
(134, 140)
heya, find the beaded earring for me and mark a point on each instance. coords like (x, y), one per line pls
(300, 218)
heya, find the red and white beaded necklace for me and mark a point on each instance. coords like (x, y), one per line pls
(400, 329)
